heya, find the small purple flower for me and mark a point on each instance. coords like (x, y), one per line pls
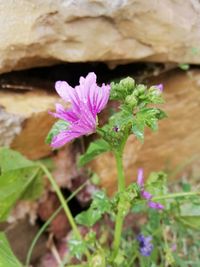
(87, 100)
(145, 245)
(160, 87)
(155, 205)
(174, 247)
(145, 194)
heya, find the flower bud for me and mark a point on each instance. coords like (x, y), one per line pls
(131, 100)
(156, 89)
(141, 88)
(97, 261)
(128, 82)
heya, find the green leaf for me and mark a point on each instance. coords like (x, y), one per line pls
(138, 129)
(101, 201)
(95, 148)
(184, 66)
(34, 189)
(7, 258)
(157, 183)
(12, 186)
(186, 187)
(190, 215)
(89, 217)
(13, 160)
(77, 247)
(190, 209)
(146, 117)
(19, 179)
(190, 221)
(58, 127)
(100, 205)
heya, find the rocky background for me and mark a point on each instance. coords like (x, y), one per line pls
(44, 41)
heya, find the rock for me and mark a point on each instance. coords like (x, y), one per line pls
(60, 225)
(175, 143)
(39, 33)
(20, 236)
(25, 122)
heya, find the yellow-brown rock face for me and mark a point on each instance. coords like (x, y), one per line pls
(39, 33)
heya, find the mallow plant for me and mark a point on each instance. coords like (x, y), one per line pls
(143, 223)
(138, 109)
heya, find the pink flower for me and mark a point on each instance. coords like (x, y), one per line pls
(145, 194)
(87, 100)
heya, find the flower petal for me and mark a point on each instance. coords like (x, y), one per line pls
(140, 177)
(146, 195)
(67, 93)
(155, 205)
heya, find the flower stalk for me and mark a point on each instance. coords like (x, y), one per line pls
(64, 205)
(176, 195)
(120, 214)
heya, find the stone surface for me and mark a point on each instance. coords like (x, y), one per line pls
(20, 236)
(25, 122)
(36, 32)
(177, 140)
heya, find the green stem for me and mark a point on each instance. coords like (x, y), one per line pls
(120, 214)
(120, 171)
(176, 195)
(64, 204)
(42, 229)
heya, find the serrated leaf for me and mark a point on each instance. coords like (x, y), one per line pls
(95, 148)
(77, 247)
(146, 117)
(138, 129)
(89, 217)
(58, 127)
(157, 183)
(101, 201)
(7, 258)
(100, 205)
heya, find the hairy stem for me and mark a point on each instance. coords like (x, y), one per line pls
(120, 215)
(120, 171)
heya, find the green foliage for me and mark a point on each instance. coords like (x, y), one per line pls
(12, 160)
(134, 114)
(58, 127)
(95, 148)
(184, 66)
(132, 118)
(77, 247)
(146, 117)
(157, 183)
(100, 205)
(190, 215)
(119, 91)
(20, 179)
(7, 258)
